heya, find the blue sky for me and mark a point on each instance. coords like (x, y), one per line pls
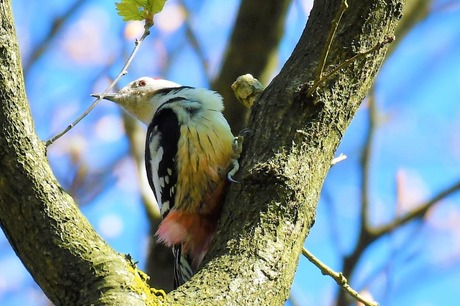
(416, 145)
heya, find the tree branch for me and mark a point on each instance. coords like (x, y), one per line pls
(417, 213)
(330, 37)
(365, 236)
(99, 97)
(159, 258)
(366, 156)
(339, 278)
(413, 12)
(58, 246)
(266, 218)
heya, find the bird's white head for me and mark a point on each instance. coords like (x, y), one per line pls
(138, 97)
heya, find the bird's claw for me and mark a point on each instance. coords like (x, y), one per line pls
(233, 171)
(237, 147)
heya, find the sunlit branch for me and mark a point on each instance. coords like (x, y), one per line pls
(338, 159)
(338, 277)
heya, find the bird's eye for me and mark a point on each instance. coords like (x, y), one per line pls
(142, 83)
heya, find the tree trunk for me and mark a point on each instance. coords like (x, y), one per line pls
(266, 217)
(58, 246)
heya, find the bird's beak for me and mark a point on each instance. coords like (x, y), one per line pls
(111, 97)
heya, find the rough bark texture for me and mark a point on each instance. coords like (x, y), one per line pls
(253, 45)
(266, 216)
(54, 240)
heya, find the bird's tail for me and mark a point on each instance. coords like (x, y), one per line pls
(190, 236)
(183, 270)
(192, 231)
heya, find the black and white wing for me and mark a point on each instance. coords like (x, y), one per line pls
(160, 157)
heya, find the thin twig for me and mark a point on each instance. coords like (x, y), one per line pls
(338, 159)
(330, 37)
(339, 278)
(359, 55)
(123, 71)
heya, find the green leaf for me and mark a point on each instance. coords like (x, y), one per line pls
(139, 9)
(156, 5)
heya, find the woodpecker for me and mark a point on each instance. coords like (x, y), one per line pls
(189, 152)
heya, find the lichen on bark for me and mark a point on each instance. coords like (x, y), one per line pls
(266, 217)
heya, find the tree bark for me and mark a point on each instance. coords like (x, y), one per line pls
(266, 217)
(253, 45)
(58, 246)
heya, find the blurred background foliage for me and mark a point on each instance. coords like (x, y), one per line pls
(389, 215)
